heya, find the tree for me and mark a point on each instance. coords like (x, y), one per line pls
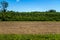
(52, 11)
(4, 6)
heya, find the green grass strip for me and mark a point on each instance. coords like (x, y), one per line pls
(29, 37)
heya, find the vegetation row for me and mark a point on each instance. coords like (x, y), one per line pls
(29, 16)
(29, 37)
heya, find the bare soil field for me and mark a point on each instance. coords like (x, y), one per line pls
(29, 27)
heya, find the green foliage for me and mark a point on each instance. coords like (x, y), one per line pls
(52, 10)
(31, 16)
(3, 7)
(29, 37)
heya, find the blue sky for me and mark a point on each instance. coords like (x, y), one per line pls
(33, 5)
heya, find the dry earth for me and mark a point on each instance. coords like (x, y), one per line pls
(33, 27)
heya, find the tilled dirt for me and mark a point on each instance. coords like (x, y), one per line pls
(29, 27)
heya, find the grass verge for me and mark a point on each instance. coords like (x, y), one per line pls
(29, 37)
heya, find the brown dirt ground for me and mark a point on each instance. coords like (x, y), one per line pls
(33, 27)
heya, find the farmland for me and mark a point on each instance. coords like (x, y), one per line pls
(29, 30)
(29, 27)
